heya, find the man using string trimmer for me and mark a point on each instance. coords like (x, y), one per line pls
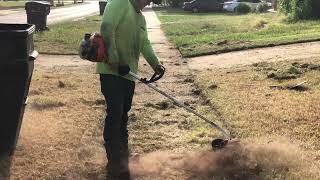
(125, 36)
(117, 66)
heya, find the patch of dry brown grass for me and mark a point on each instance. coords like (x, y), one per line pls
(61, 136)
(253, 109)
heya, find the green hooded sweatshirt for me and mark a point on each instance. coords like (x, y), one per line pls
(124, 30)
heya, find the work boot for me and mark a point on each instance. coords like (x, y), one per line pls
(113, 170)
(124, 161)
(117, 172)
(125, 175)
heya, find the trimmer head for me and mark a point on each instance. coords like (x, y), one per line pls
(218, 144)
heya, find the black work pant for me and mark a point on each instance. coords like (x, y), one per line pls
(118, 93)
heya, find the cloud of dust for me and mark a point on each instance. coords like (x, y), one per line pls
(238, 160)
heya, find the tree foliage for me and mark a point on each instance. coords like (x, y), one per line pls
(300, 9)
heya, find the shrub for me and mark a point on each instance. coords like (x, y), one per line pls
(262, 7)
(285, 6)
(242, 8)
(299, 9)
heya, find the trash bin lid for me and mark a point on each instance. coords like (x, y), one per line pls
(16, 29)
(16, 42)
(37, 6)
(44, 3)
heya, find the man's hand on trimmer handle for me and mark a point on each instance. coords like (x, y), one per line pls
(125, 69)
(159, 69)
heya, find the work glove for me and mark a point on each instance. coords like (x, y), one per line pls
(159, 69)
(123, 70)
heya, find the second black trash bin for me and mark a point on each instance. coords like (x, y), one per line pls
(37, 12)
(102, 5)
(16, 66)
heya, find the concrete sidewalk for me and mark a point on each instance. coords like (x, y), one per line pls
(246, 57)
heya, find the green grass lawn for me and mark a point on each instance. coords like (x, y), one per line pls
(21, 4)
(211, 33)
(11, 4)
(64, 38)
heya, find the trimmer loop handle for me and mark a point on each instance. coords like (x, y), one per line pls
(155, 77)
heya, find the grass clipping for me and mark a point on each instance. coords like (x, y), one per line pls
(239, 160)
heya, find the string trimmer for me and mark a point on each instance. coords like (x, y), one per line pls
(92, 48)
(216, 143)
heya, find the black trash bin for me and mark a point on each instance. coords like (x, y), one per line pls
(37, 12)
(102, 5)
(17, 57)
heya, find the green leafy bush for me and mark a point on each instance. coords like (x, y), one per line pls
(262, 7)
(285, 6)
(299, 9)
(243, 8)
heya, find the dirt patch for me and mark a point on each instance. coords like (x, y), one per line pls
(213, 86)
(188, 80)
(169, 122)
(97, 102)
(61, 84)
(196, 92)
(222, 43)
(261, 24)
(162, 105)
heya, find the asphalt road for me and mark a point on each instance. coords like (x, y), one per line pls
(56, 15)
